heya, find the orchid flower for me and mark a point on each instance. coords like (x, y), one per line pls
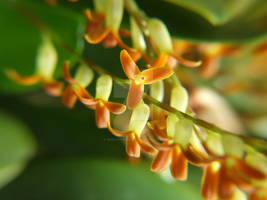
(139, 79)
(83, 77)
(45, 67)
(104, 25)
(231, 170)
(100, 103)
(138, 121)
(162, 39)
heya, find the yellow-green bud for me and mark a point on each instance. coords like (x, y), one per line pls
(139, 118)
(47, 57)
(160, 35)
(114, 13)
(103, 87)
(137, 36)
(84, 75)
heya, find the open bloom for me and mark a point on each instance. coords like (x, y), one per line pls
(45, 67)
(104, 25)
(162, 39)
(139, 79)
(138, 121)
(229, 170)
(100, 103)
(83, 77)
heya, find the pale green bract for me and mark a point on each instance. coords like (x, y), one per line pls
(47, 58)
(160, 35)
(139, 118)
(214, 143)
(157, 90)
(84, 75)
(183, 132)
(100, 5)
(114, 13)
(233, 145)
(103, 87)
(179, 98)
(137, 36)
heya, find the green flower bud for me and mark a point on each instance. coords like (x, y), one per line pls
(103, 87)
(233, 145)
(157, 90)
(183, 132)
(84, 75)
(214, 143)
(139, 118)
(47, 57)
(137, 36)
(179, 98)
(160, 35)
(114, 13)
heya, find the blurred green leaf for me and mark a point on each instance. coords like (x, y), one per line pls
(217, 11)
(20, 36)
(16, 147)
(85, 179)
(186, 24)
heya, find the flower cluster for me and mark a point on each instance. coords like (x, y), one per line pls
(230, 165)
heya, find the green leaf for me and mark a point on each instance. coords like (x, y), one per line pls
(186, 23)
(16, 147)
(217, 11)
(95, 179)
(20, 37)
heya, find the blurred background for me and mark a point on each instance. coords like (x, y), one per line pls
(50, 152)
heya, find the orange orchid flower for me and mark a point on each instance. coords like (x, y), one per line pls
(100, 103)
(104, 25)
(45, 67)
(83, 77)
(138, 121)
(163, 42)
(229, 169)
(221, 177)
(139, 79)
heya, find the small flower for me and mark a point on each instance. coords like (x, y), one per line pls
(100, 103)
(104, 25)
(162, 39)
(139, 79)
(45, 68)
(228, 170)
(83, 77)
(138, 121)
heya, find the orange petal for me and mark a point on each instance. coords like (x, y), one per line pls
(155, 74)
(160, 134)
(251, 172)
(115, 108)
(210, 66)
(24, 80)
(209, 183)
(161, 161)
(226, 187)
(145, 147)
(258, 194)
(132, 146)
(69, 97)
(179, 165)
(94, 17)
(118, 133)
(53, 88)
(85, 97)
(187, 63)
(128, 65)
(160, 61)
(95, 34)
(66, 73)
(101, 116)
(135, 94)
